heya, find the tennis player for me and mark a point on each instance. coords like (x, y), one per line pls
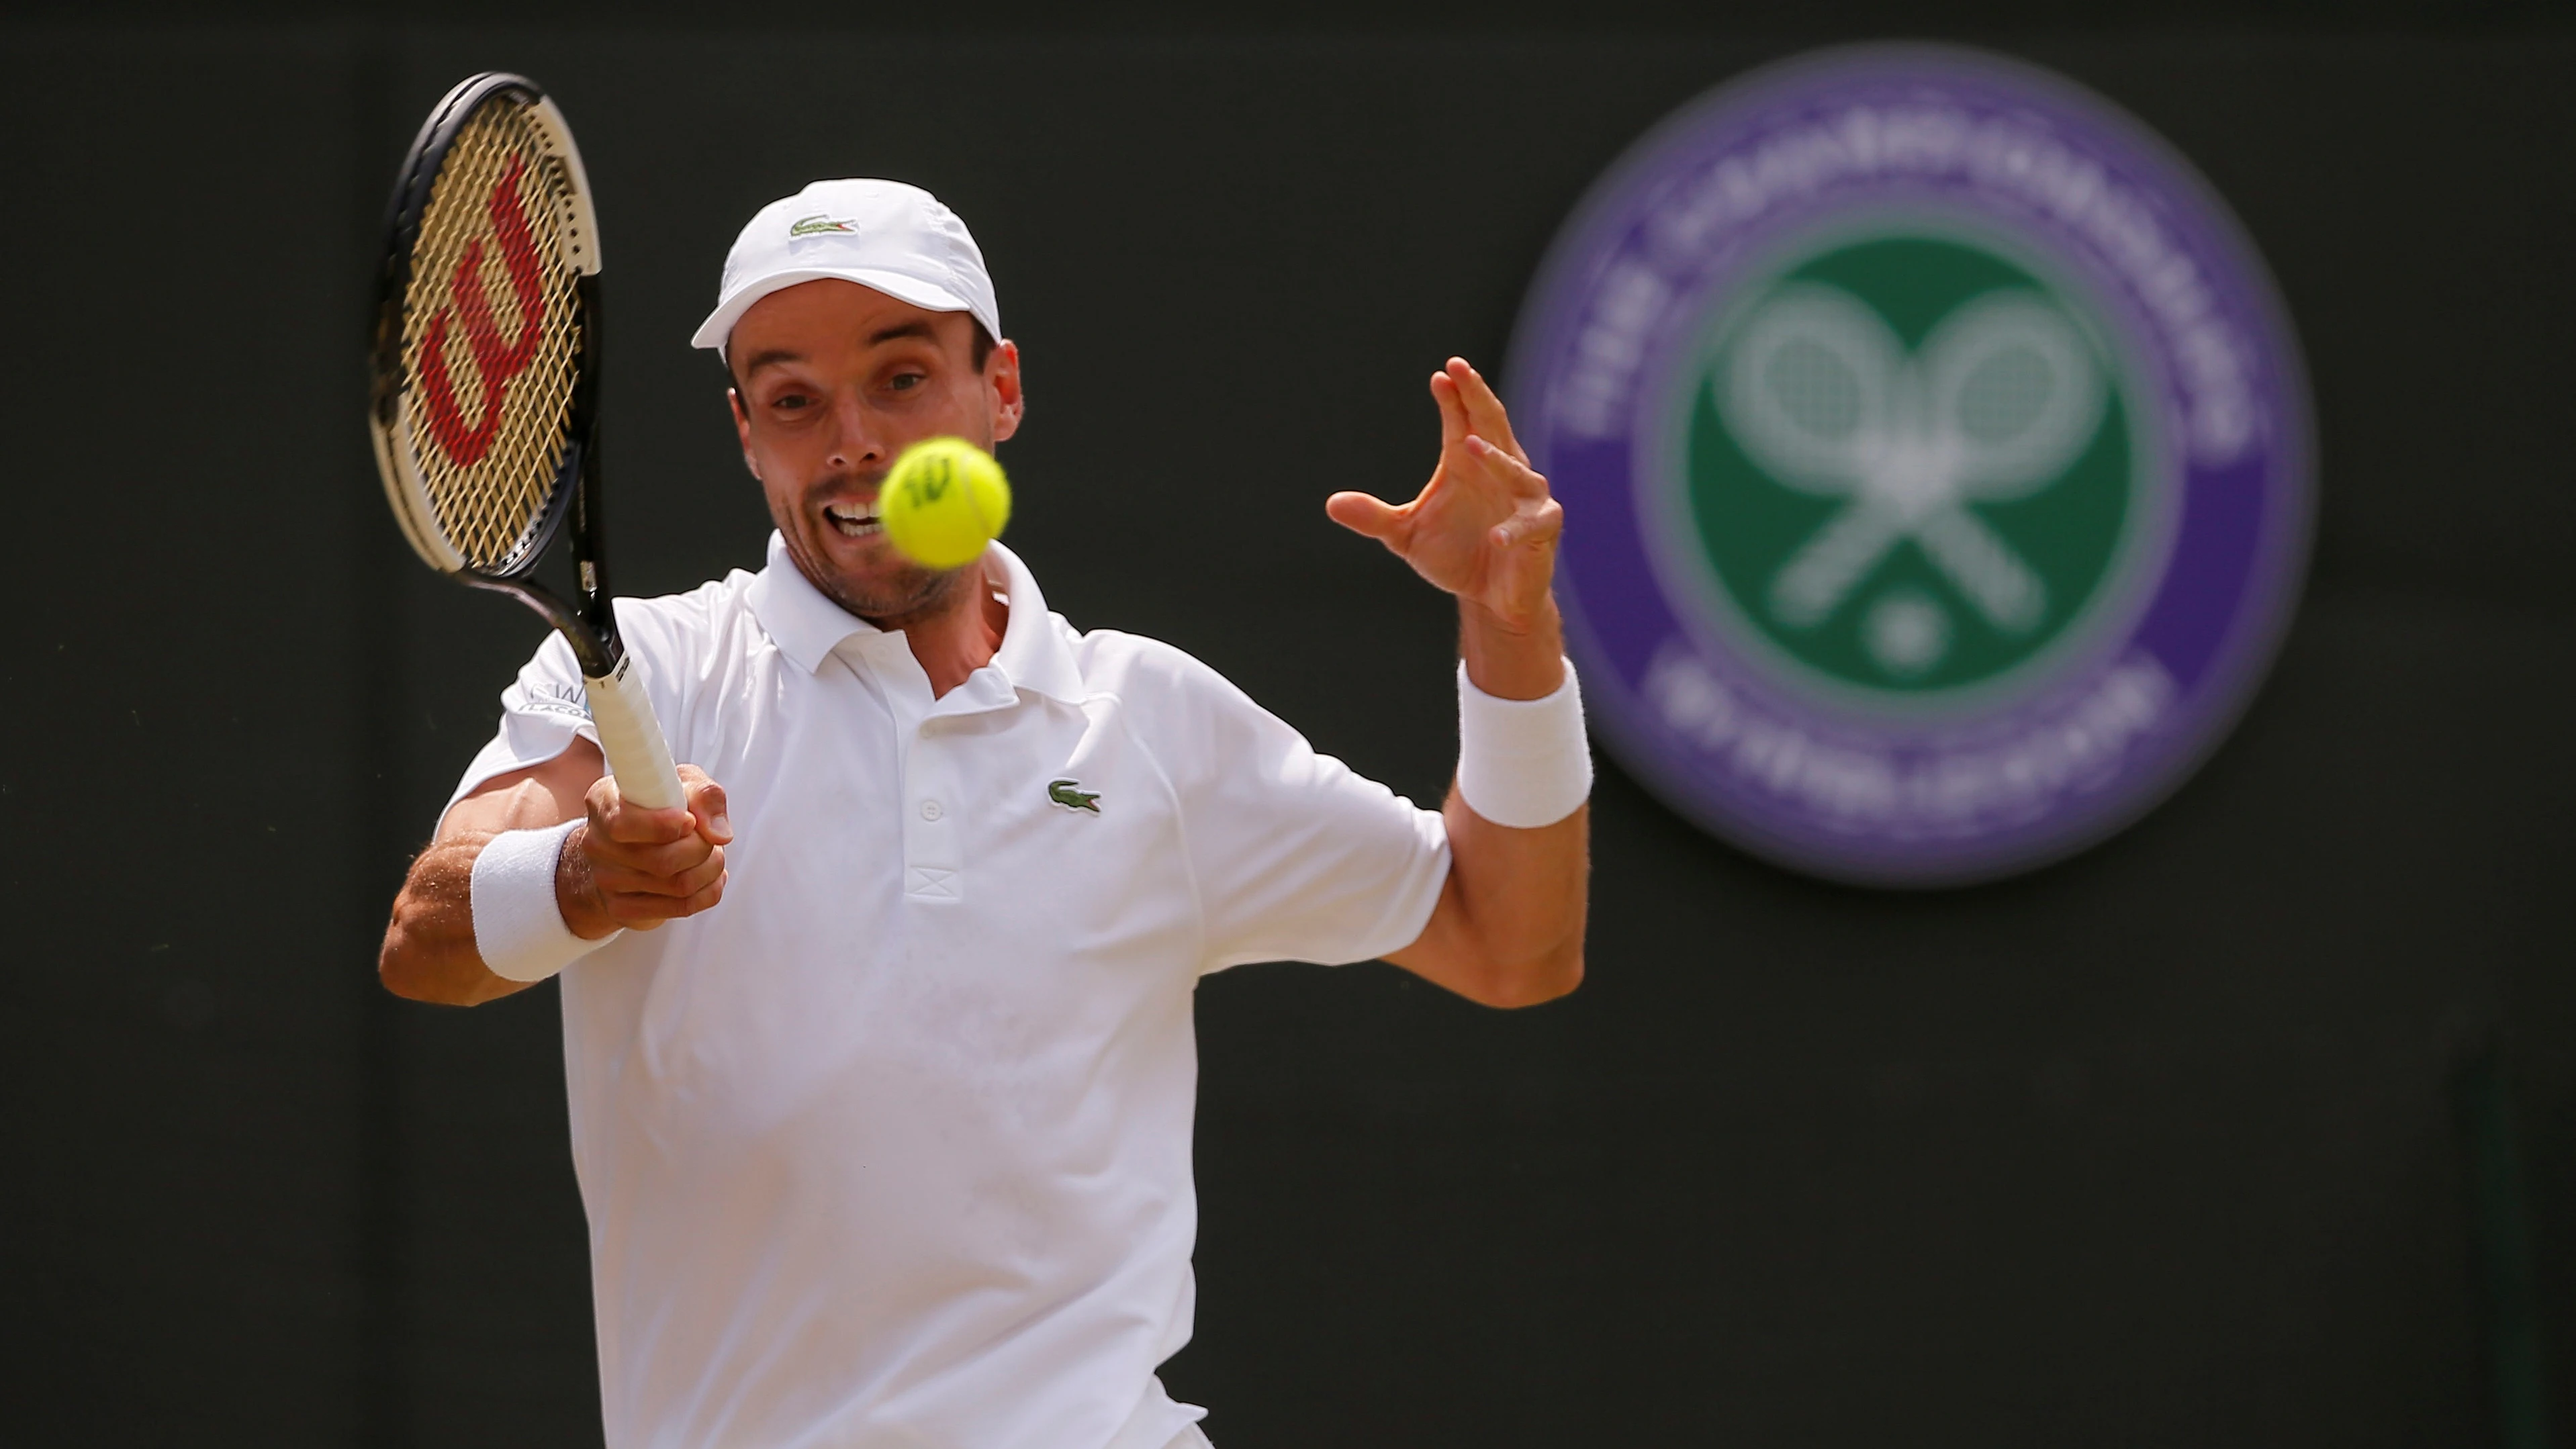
(880, 1052)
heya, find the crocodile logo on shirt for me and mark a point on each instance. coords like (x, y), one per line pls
(1071, 795)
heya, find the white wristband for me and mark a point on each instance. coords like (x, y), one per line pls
(1522, 762)
(518, 929)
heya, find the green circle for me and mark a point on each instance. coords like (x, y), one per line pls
(1905, 624)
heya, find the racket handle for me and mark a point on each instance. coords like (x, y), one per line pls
(632, 739)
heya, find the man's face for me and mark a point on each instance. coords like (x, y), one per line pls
(832, 381)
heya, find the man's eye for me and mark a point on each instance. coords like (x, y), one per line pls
(791, 401)
(904, 381)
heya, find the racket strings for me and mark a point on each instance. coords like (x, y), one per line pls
(491, 337)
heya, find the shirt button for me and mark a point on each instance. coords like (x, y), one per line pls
(930, 810)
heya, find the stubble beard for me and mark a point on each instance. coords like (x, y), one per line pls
(889, 594)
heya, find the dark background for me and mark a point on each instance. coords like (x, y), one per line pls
(2174, 1143)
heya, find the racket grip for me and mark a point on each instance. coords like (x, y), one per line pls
(632, 739)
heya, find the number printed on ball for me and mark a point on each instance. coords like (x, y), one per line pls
(944, 500)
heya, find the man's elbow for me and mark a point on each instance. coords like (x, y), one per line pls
(1532, 983)
(413, 965)
(401, 967)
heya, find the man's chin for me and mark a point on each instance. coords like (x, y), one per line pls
(866, 577)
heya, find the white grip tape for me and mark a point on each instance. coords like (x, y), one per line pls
(1523, 762)
(518, 929)
(632, 739)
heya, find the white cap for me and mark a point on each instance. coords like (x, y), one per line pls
(882, 234)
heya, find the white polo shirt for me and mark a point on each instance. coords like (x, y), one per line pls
(892, 1147)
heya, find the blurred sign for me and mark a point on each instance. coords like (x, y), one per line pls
(1935, 455)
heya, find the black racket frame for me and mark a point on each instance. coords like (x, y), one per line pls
(590, 625)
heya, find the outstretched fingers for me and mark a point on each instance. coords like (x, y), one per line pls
(1482, 407)
(1370, 517)
(1532, 525)
(1505, 468)
(1454, 426)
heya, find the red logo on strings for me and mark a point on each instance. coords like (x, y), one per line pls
(495, 362)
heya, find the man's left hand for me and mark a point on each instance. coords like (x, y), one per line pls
(1509, 927)
(1484, 527)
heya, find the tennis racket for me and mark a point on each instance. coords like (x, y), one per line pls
(485, 406)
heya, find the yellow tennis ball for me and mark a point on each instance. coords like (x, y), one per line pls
(944, 500)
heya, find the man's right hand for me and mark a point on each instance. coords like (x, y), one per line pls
(624, 867)
(629, 868)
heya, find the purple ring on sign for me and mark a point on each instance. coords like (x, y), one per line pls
(1878, 786)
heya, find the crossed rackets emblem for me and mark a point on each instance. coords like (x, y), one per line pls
(1996, 404)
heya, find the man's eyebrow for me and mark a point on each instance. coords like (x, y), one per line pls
(777, 356)
(771, 358)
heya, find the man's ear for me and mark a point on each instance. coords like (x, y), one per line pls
(742, 429)
(1002, 380)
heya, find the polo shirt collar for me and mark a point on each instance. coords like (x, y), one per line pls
(807, 626)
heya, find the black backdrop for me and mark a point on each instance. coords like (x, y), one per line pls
(2162, 1145)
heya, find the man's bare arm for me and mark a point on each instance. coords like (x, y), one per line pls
(1508, 930)
(625, 867)
(1509, 927)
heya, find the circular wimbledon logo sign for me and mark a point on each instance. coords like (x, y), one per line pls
(1937, 459)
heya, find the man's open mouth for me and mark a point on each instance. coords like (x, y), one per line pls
(852, 519)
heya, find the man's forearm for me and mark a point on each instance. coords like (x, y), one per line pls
(1509, 927)
(1522, 891)
(1527, 662)
(622, 867)
(429, 952)
(1521, 901)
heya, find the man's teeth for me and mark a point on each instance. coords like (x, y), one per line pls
(852, 522)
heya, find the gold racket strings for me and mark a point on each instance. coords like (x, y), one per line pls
(491, 337)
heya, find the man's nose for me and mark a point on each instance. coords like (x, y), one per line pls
(855, 443)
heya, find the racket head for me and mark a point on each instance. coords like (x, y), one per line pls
(484, 356)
